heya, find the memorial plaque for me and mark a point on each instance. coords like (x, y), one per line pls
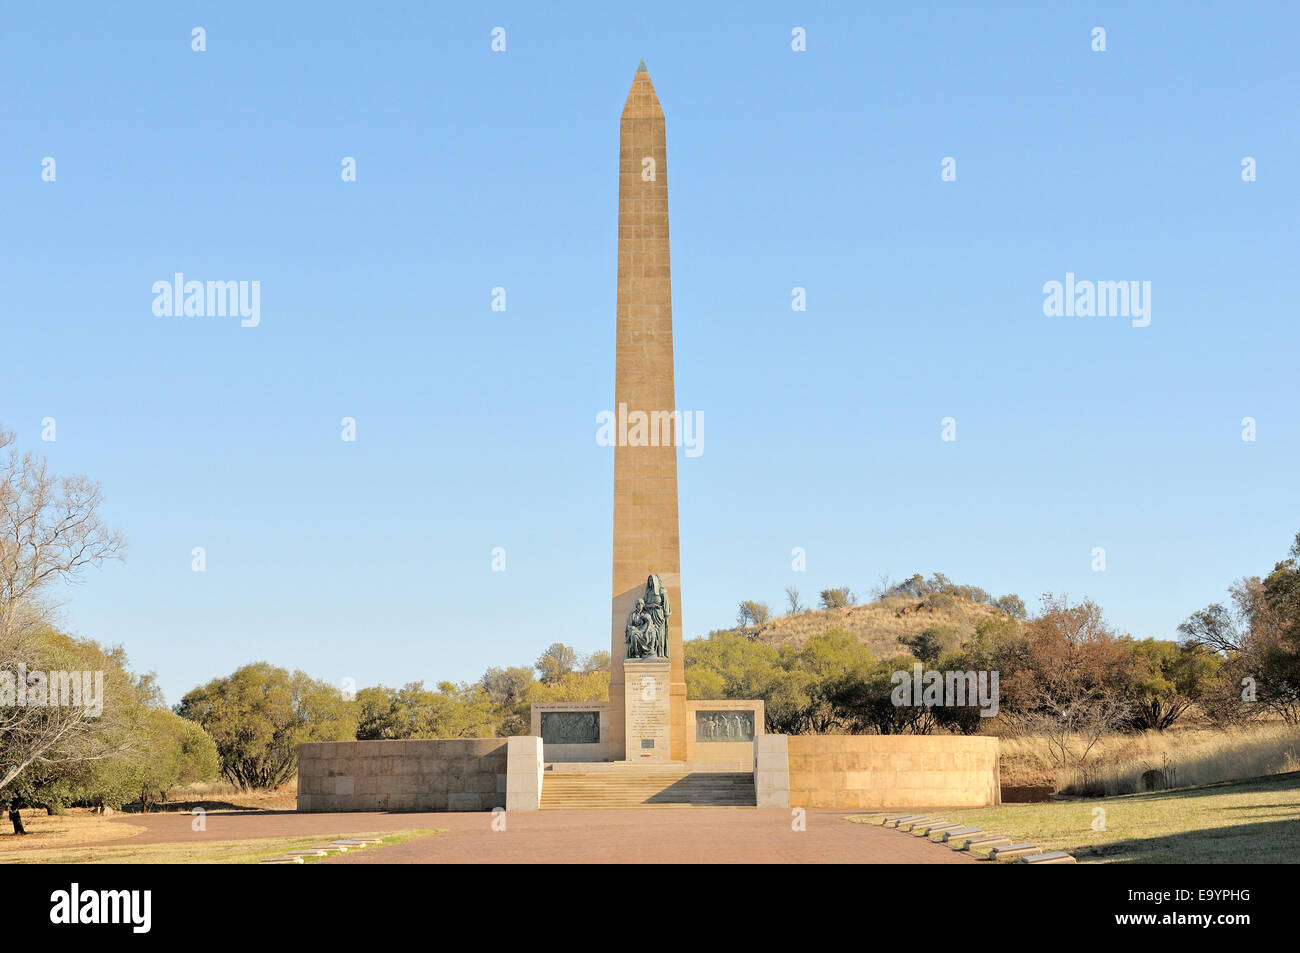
(646, 710)
(735, 725)
(571, 727)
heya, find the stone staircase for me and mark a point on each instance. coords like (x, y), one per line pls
(622, 784)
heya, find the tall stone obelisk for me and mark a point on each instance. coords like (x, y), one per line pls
(645, 476)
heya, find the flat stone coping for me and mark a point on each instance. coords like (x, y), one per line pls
(990, 840)
(1051, 857)
(1024, 848)
(666, 767)
(940, 828)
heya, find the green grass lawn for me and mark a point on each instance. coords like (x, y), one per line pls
(200, 852)
(1254, 821)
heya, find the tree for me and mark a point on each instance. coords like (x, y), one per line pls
(506, 686)
(799, 685)
(1278, 649)
(940, 600)
(1215, 628)
(913, 585)
(744, 667)
(50, 530)
(883, 587)
(556, 662)
(173, 752)
(823, 668)
(1073, 679)
(728, 665)
(1178, 676)
(98, 730)
(571, 687)
(792, 604)
(838, 598)
(260, 714)
(453, 711)
(199, 759)
(1012, 605)
(868, 705)
(931, 642)
(752, 613)
(1258, 643)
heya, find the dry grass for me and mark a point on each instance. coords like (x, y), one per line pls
(84, 825)
(1190, 755)
(73, 838)
(222, 795)
(1188, 759)
(876, 625)
(248, 851)
(74, 827)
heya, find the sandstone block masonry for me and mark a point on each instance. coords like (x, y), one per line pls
(645, 477)
(460, 774)
(893, 771)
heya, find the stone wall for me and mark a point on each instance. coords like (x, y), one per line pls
(893, 771)
(458, 774)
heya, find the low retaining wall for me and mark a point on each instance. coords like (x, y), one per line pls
(455, 774)
(893, 771)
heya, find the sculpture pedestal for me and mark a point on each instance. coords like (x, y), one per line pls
(646, 710)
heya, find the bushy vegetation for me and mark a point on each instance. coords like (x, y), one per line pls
(133, 751)
(86, 730)
(839, 597)
(260, 714)
(830, 683)
(940, 587)
(1065, 676)
(1256, 638)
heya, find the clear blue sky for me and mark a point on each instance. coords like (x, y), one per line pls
(476, 429)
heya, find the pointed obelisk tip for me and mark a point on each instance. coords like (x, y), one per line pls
(640, 67)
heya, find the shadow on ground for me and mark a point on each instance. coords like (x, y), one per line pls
(1237, 844)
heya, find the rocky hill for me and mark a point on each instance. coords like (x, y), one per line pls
(877, 625)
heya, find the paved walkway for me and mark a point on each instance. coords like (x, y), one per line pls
(640, 835)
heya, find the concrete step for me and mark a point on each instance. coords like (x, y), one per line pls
(678, 787)
(648, 767)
